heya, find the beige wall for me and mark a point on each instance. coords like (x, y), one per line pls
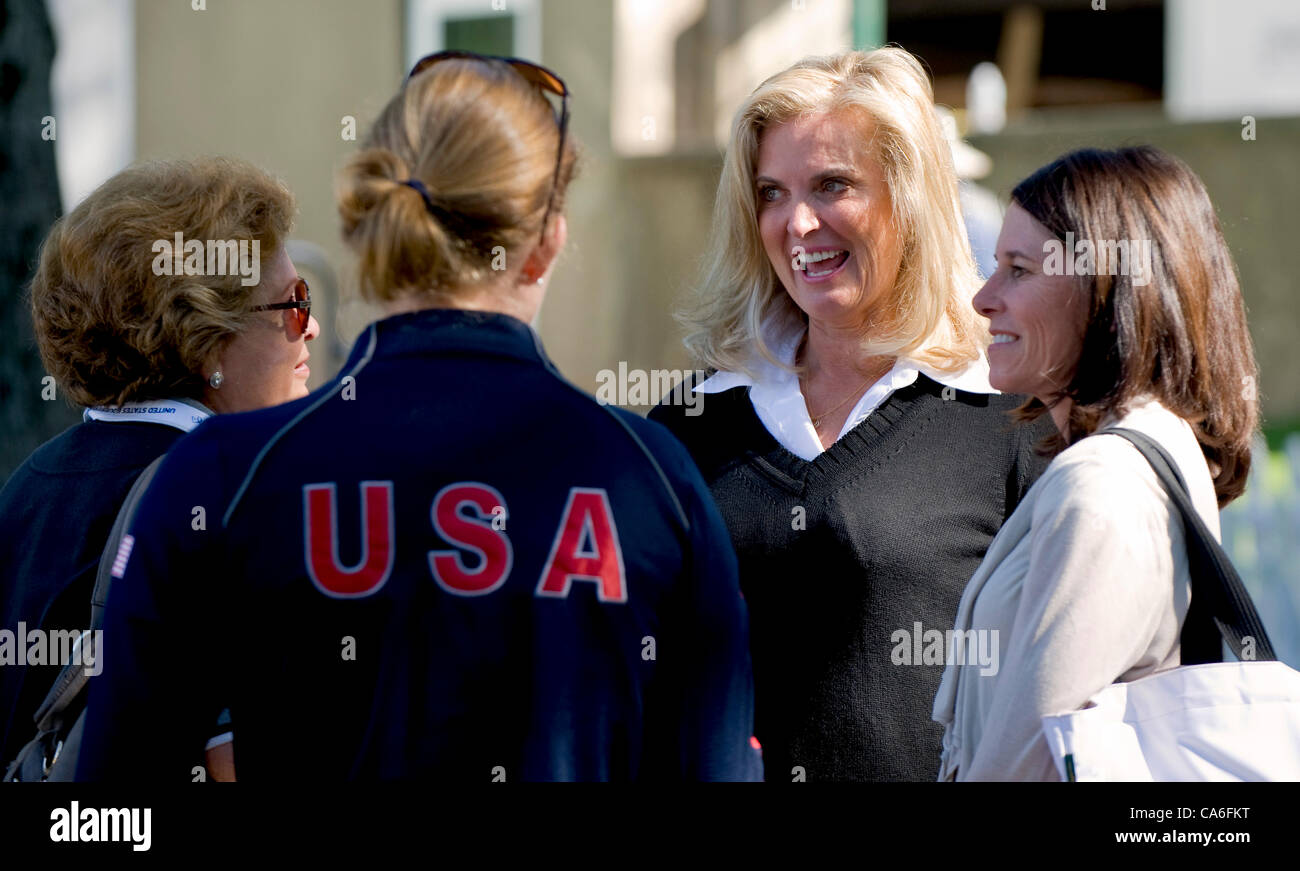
(269, 82)
(637, 226)
(583, 321)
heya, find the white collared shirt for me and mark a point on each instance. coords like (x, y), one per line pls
(780, 405)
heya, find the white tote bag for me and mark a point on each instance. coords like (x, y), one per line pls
(1220, 721)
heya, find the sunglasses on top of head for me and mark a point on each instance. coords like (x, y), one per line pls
(300, 305)
(533, 73)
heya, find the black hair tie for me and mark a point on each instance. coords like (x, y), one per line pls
(461, 227)
(418, 187)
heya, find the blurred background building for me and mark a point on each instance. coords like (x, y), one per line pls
(655, 83)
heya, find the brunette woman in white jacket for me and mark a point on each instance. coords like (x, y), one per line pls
(1115, 301)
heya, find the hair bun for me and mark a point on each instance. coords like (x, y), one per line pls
(477, 143)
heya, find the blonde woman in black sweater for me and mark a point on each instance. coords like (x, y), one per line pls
(849, 433)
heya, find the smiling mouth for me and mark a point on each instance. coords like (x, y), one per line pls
(823, 263)
(1004, 339)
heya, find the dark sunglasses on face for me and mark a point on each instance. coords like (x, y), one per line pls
(300, 305)
(535, 74)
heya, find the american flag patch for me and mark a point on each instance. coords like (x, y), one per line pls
(123, 554)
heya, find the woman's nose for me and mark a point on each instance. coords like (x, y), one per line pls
(313, 329)
(803, 220)
(985, 301)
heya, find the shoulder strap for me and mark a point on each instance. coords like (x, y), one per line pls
(1221, 607)
(72, 679)
(125, 514)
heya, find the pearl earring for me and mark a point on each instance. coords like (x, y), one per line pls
(216, 380)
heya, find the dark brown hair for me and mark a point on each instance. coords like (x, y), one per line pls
(1181, 337)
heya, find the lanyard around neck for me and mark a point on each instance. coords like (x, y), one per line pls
(183, 414)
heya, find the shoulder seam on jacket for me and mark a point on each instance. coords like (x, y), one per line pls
(266, 448)
(641, 445)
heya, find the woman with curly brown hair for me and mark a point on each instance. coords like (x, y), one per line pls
(151, 335)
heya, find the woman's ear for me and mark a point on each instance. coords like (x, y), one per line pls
(213, 378)
(543, 255)
(558, 235)
(211, 364)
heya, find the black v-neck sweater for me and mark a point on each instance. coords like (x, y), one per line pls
(879, 533)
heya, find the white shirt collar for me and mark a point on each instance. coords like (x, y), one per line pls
(780, 405)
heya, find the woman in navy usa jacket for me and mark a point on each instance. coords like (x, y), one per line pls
(448, 562)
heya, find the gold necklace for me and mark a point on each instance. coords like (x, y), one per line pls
(817, 419)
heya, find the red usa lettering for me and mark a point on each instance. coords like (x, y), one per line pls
(585, 547)
(321, 540)
(474, 534)
(587, 519)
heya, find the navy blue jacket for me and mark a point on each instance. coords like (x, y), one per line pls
(56, 511)
(543, 590)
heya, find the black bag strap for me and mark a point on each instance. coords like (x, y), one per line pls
(1220, 609)
(125, 514)
(71, 681)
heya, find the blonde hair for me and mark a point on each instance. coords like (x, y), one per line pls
(482, 140)
(110, 330)
(929, 315)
